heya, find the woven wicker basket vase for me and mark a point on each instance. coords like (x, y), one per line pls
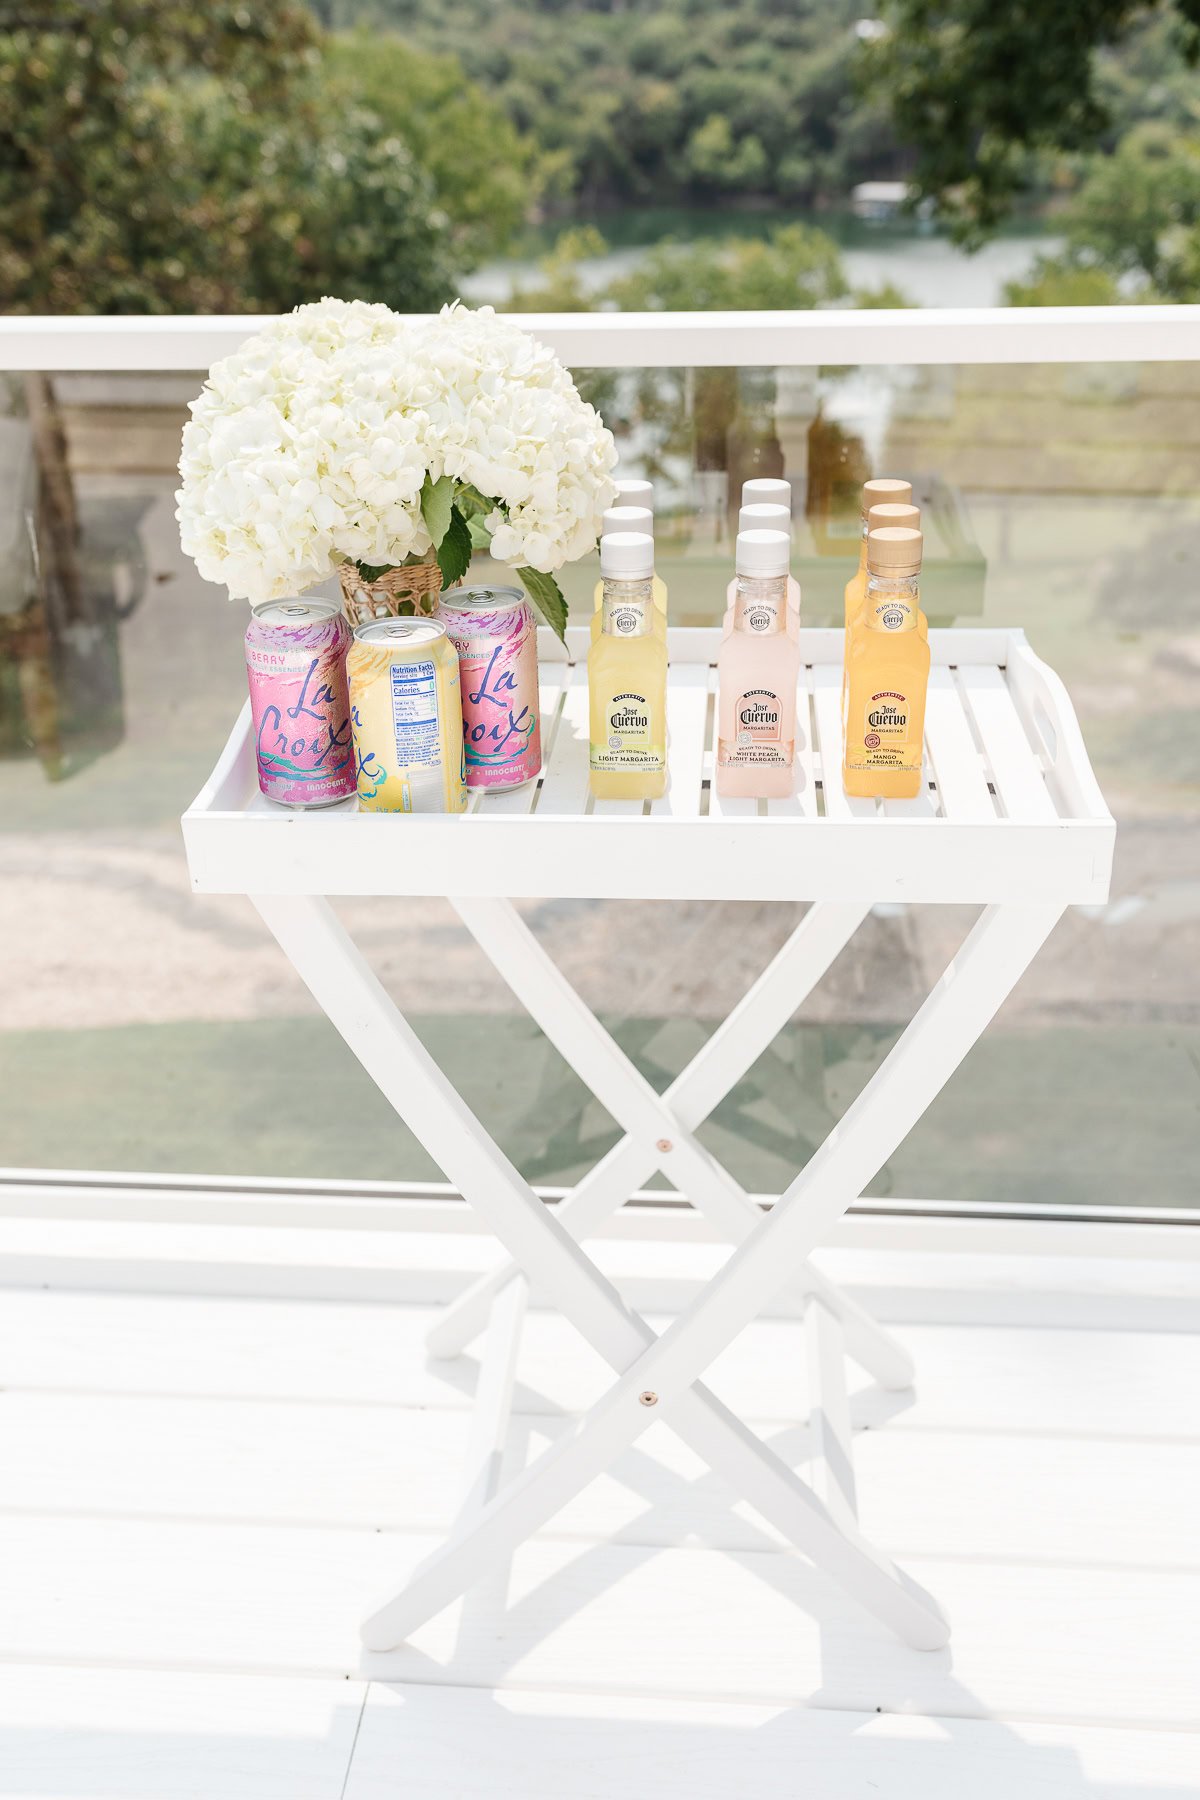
(399, 593)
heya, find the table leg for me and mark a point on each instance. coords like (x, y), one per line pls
(734, 1047)
(658, 1369)
(654, 1125)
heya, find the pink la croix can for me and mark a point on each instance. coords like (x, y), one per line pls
(299, 701)
(493, 630)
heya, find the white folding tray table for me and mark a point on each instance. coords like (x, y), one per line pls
(1010, 819)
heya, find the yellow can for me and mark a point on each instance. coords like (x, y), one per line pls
(406, 712)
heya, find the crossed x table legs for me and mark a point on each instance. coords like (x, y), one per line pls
(657, 1377)
(659, 1125)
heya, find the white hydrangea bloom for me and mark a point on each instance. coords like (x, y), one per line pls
(308, 447)
(302, 453)
(505, 417)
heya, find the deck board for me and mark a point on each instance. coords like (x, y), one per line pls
(201, 1496)
(1030, 1641)
(69, 1733)
(385, 1467)
(1124, 1385)
(548, 1746)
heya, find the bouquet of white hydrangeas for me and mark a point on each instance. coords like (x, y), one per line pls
(345, 434)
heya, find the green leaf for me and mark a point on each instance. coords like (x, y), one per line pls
(470, 501)
(437, 498)
(547, 596)
(481, 537)
(454, 551)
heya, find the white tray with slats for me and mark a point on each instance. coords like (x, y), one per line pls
(1010, 811)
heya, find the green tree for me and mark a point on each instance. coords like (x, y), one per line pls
(673, 101)
(1063, 281)
(886, 297)
(713, 159)
(561, 286)
(981, 91)
(484, 171)
(1133, 229)
(1138, 210)
(796, 266)
(172, 158)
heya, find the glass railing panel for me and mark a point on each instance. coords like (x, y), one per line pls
(147, 1030)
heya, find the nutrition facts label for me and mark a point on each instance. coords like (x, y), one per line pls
(415, 712)
(418, 735)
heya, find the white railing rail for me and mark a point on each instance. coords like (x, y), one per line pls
(609, 340)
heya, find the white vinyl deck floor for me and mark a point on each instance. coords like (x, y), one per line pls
(202, 1492)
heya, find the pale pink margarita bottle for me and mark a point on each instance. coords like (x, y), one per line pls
(757, 670)
(773, 491)
(765, 515)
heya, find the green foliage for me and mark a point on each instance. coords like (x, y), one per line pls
(561, 286)
(715, 159)
(482, 169)
(887, 297)
(796, 266)
(1148, 76)
(547, 596)
(1063, 281)
(1133, 229)
(663, 102)
(437, 498)
(1138, 211)
(367, 226)
(454, 549)
(175, 159)
(982, 91)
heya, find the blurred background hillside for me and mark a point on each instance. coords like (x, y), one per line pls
(158, 157)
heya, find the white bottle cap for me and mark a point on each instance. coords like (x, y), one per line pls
(627, 556)
(628, 518)
(763, 553)
(635, 493)
(767, 488)
(761, 516)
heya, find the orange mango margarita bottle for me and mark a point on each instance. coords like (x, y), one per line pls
(886, 490)
(887, 674)
(879, 514)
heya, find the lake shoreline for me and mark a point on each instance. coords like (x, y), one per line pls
(916, 257)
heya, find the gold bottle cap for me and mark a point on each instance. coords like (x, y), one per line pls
(889, 514)
(885, 490)
(894, 550)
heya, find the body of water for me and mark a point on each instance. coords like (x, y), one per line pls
(924, 264)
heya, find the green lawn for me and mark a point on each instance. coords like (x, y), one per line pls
(1078, 1114)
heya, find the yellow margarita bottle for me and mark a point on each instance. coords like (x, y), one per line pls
(888, 673)
(632, 518)
(627, 676)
